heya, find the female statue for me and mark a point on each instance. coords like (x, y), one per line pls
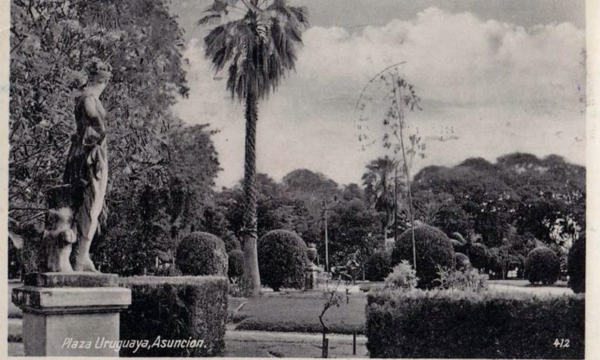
(87, 165)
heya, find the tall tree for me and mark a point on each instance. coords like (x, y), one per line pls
(259, 48)
(380, 183)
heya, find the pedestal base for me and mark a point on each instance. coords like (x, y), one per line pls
(311, 274)
(71, 321)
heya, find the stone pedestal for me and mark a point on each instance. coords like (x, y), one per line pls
(311, 274)
(71, 314)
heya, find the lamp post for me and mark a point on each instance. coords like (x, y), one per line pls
(326, 208)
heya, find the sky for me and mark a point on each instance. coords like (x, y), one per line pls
(494, 77)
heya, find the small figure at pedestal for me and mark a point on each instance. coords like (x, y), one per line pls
(311, 271)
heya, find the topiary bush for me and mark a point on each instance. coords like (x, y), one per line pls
(576, 266)
(201, 253)
(433, 249)
(378, 266)
(542, 266)
(189, 311)
(282, 259)
(236, 264)
(461, 261)
(478, 256)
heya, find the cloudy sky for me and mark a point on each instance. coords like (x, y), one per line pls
(498, 76)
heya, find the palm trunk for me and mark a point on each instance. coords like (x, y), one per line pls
(251, 273)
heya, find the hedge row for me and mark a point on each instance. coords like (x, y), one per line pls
(470, 325)
(176, 308)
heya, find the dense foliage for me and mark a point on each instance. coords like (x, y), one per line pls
(201, 253)
(433, 249)
(175, 308)
(403, 277)
(457, 324)
(465, 279)
(161, 172)
(542, 266)
(515, 202)
(577, 266)
(50, 43)
(378, 266)
(282, 259)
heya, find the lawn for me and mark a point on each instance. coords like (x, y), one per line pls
(526, 283)
(299, 312)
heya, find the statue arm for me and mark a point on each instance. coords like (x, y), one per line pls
(95, 121)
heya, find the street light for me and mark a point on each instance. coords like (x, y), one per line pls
(326, 208)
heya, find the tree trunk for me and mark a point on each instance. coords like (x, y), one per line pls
(251, 273)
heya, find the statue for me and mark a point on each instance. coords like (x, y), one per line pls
(77, 207)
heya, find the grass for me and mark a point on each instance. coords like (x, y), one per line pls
(526, 283)
(299, 312)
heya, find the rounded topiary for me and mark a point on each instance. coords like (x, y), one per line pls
(576, 266)
(201, 253)
(542, 266)
(434, 249)
(378, 266)
(461, 261)
(478, 256)
(282, 259)
(236, 264)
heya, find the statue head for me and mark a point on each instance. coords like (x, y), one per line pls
(98, 71)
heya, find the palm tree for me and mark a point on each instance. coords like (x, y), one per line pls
(257, 41)
(381, 182)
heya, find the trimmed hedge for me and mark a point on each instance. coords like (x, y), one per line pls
(576, 266)
(457, 324)
(201, 253)
(433, 249)
(175, 308)
(542, 266)
(378, 266)
(282, 259)
(236, 264)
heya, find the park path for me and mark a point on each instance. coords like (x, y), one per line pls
(240, 343)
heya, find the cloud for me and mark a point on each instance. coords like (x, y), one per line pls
(454, 59)
(501, 88)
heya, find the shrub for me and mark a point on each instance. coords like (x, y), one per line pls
(459, 324)
(576, 266)
(201, 253)
(466, 279)
(236, 264)
(478, 256)
(175, 308)
(403, 277)
(433, 249)
(542, 266)
(378, 266)
(461, 261)
(282, 259)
